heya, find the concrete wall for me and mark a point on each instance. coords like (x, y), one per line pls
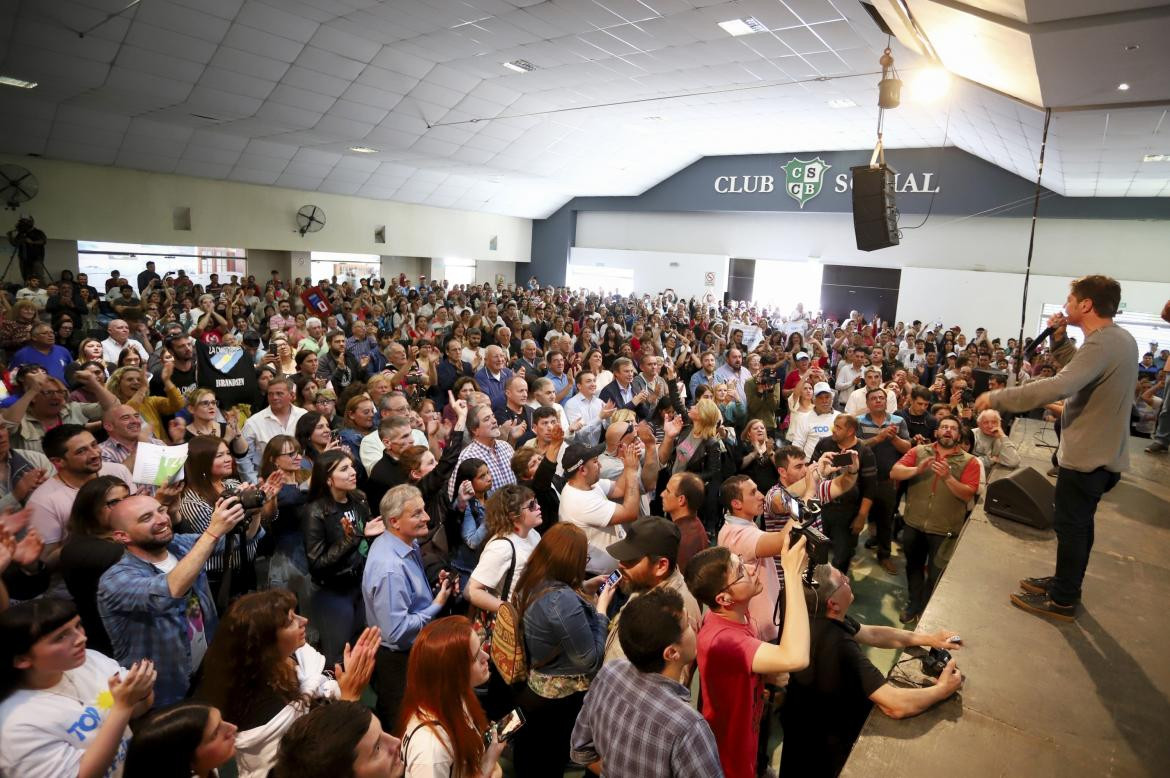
(89, 202)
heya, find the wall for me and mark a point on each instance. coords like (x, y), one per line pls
(654, 271)
(486, 271)
(412, 266)
(261, 263)
(89, 202)
(992, 300)
(1133, 249)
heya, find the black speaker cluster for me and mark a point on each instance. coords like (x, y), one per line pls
(875, 215)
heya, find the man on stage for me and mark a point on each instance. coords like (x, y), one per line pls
(1097, 382)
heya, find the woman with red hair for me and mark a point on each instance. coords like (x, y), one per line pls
(442, 722)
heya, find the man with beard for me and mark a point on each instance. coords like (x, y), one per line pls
(943, 478)
(78, 459)
(182, 348)
(337, 366)
(155, 601)
(647, 558)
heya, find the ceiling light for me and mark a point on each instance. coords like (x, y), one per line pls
(842, 102)
(17, 82)
(520, 66)
(744, 26)
(363, 149)
(1156, 158)
(928, 84)
(1123, 87)
(1132, 47)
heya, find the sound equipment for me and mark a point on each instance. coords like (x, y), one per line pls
(1025, 496)
(983, 375)
(875, 215)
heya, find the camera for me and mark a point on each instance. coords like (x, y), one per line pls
(935, 661)
(843, 459)
(768, 377)
(251, 499)
(816, 543)
(414, 380)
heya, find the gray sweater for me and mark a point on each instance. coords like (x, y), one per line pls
(1097, 382)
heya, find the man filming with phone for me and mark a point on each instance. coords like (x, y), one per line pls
(845, 517)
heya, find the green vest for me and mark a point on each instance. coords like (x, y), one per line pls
(930, 505)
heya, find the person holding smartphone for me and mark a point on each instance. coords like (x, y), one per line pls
(845, 516)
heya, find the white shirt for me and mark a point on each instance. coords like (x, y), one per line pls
(111, 350)
(846, 375)
(44, 733)
(372, 448)
(426, 748)
(855, 405)
(264, 426)
(808, 428)
(588, 411)
(496, 558)
(727, 373)
(38, 296)
(592, 510)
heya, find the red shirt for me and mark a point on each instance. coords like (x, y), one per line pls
(733, 696)
(970, 476)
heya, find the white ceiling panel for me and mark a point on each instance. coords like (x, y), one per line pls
(625, 92)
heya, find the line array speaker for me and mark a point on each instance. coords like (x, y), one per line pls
(875, 214)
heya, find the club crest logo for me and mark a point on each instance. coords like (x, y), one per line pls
(803, 178)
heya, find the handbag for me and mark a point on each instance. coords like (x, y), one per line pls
(483, 620)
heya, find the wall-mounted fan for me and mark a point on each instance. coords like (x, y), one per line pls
(310, 218)
(17, 185)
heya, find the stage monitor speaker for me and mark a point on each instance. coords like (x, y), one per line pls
(982, 375)
(875, 215)
(1025, 496)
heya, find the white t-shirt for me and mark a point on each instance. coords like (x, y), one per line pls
(44, 732)
(496, 557)
(591, 510)
(427, 751)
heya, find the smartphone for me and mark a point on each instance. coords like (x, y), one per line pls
(510, 724)
(844, 459)
(613, 578)
(335, 436)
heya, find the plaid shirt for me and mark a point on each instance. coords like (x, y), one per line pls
(642, 724)
(498, 459)
(145, 622)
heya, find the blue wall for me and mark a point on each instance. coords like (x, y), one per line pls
(966, 185)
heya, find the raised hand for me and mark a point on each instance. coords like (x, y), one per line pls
(357, 665)
(14, 522)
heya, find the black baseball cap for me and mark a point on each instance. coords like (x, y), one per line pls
(648, 536)
(577, 454)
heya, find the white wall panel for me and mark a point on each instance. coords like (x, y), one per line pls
(685, 272)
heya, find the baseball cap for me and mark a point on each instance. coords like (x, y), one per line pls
(801, 355)
(577, 454)
(822, 387)
(648, 536)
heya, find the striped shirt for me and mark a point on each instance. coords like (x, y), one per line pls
(643, 724)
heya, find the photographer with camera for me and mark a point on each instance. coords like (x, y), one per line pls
(744, 503)
(828, 701)
(29, 243)
(765, 394)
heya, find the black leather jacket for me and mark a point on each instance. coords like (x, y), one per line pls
(335, 557)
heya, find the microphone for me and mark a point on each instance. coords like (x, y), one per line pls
(1043, 336)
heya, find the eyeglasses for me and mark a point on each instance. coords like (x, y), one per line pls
(207, 403)
(53, 392)
(289, 454)
(532, 505)
(741, 574)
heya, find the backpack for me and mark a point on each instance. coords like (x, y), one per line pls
(507, 646)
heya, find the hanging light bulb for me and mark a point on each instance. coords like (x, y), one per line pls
(890, 87)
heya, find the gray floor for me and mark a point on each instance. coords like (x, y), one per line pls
(1042, 699)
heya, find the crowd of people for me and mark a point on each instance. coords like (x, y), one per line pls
(388, 485)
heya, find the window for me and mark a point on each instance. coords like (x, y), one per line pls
(459, 271)
(344, 267)
(98, 260)
(784, 284)
(598, 278)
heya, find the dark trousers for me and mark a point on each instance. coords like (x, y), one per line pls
(843, 541)
(541, 747)
(390, 685)
(1077, 495)
(881, 514)
(922, 567)
(339, 617)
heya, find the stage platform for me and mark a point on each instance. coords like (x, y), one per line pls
(1040, 698)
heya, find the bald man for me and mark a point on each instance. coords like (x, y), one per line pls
(155, 601)
(119, 341)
